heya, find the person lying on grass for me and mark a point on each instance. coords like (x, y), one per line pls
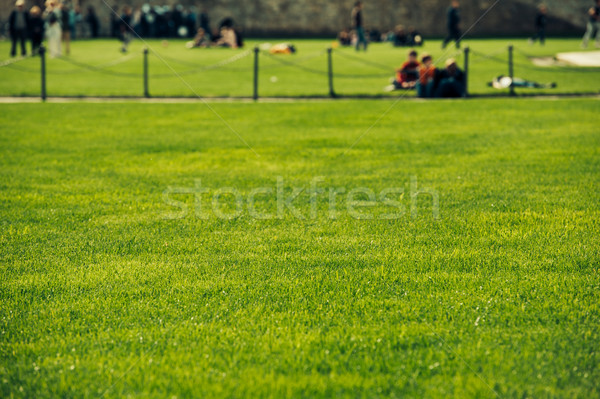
(504, 82)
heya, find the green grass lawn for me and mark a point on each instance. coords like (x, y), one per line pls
(108, 290)
(302, 74)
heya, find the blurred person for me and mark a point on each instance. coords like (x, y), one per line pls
(125, 28)
(93, 22)
(593, 25)
(177, 21)
(76, 20)
(358, 24)
(451, 81)
(345, 37)
(65, 27)
(161, 24)
(53, 34)
(228, 38)
(190, 21)
(400, 38)
(204, 22)
(200, 40)
(427, 75)
(136, 20)
(36, 29)
(216, 35)
(374, 35)
(145, 21)
(407, 75)
(283, 48)
(453, 24)
(18, 25)
(390, 36)
(414, 37)
(504, 82)
(541, 20)
(114, 22)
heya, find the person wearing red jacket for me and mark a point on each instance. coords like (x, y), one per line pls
(408, 74)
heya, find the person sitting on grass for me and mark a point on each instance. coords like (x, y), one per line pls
(228, 38)
(408, 75)
(414, 37)
(200, 40)
(427, 74)
(400, 37)
(451, 81)
(344, 38)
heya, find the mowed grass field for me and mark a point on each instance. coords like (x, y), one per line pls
(110, 290)
(97, 68)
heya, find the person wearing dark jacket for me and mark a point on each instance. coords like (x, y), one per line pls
(93, 22)
(453, 21)
(358, 24)
(451, 81)
(36, 29)
(18, 25)
(541, 20)
(65, 26)
(125, 27)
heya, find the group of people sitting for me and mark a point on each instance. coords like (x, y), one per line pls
(399, 37)
(429, 81)
(227, 37)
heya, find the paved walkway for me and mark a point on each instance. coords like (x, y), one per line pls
(581, 58)
(188, 100)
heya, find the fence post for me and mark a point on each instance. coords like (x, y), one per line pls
(146, 90)
(511, 69)
(255, 93)
(330, 72)
(466, 72)
(43, 71)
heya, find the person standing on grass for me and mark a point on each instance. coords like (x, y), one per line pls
(93, 22)
(358, 24)
(36, 29)
(53, 34)
(64, 25)
(453, 22)
(593, 25)
(541, 20)
(18, 24)
(125, 27)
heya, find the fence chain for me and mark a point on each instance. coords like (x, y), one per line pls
(366, 62)
(297, 63)
(221, 64)
(12, 61)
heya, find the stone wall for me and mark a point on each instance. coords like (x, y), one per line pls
(326, 17)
